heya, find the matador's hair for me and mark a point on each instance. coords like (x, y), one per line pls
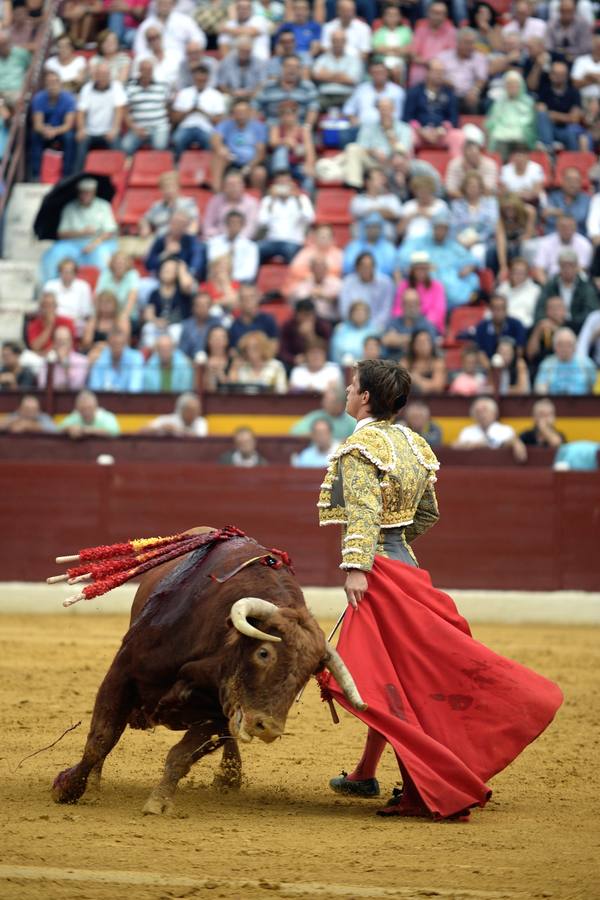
(388, 385)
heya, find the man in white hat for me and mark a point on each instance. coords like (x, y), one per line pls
(472, 159)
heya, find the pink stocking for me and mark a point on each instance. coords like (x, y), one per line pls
(367, 765)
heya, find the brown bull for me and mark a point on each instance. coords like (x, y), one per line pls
(220, 661)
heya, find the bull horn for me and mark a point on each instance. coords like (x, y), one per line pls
(337, 667)
(258, 609)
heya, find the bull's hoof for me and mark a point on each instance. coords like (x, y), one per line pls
(158, 806)
(67, 787)
(227, 781)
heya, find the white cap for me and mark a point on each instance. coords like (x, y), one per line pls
(473, 134)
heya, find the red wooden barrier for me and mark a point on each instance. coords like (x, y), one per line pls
(532, 529)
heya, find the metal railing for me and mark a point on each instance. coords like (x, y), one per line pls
(12, 168)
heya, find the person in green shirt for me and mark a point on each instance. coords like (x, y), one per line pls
(89, 420)
(14, 62)
(333, 410)
(512, 118)
(391, 42)
(87, 232)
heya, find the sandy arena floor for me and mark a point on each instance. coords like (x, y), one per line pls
(285, 834)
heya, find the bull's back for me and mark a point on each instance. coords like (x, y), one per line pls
(151, 578)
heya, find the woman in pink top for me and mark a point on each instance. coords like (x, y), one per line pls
(431, 292)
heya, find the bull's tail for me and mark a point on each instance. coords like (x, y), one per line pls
(108, 566)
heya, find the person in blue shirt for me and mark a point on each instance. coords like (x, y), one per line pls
(119, 367)
(250, 318)
(500, 324)
(168, 370)
(569, 199)
(371, 240)
(53, 114)
(316, 455)
(349, 337)
(194, 331)
(239, 140)
(400, 329)
(176, 243)
(307, 32)
(565, 372)
(455, 266)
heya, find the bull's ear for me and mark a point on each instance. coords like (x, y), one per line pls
(232, 635)
(321, 665)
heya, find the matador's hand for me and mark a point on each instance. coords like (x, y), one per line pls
(355, 587)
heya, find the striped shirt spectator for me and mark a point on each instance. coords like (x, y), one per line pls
(147, 115)
(290, 86)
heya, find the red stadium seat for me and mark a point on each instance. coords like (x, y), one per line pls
(495, 156)
(89, 274)
(281, 312)
(461, 319)
(541, 157)
(119, 180)
(194, 168)
(139, 266)
(105, 162)
(439, 159)
(333, 206)
(52, 162)
(453, 358)
(200, 195)
(487, 280)
(472, 120)
(342, 235)
(148, 166)
(582, 161)
(136, 202)
(271, 277)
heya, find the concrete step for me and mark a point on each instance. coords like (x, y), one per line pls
(18, 286)
(19, 241)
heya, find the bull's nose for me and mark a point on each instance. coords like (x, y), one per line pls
(265, 728)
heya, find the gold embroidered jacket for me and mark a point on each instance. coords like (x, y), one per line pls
(381, 478)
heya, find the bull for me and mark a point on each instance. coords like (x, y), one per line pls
(218, 646)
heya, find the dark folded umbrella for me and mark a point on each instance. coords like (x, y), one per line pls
(47, 220)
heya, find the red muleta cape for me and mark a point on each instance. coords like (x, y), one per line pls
(455, 712)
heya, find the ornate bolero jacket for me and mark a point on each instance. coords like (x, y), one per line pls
(381, 478)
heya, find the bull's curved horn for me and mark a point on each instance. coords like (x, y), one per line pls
(258, 609)
(337, 667)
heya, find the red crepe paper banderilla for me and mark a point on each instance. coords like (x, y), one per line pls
(109, 566)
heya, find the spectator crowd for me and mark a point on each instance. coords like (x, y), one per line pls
(463, 137)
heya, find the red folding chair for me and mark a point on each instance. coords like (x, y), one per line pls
(342, 234)
(472, 120)
(281, 312)
(200, 195)
(461, 319)
(270, 278)
(52, 163)
(194, 168)
(89, 274)
(439, 159)
(105, 162)
(136, 202)
(148, 166)
(542, 158)
(576, 159)
(333, 206)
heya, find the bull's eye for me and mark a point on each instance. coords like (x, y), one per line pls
(263, 653)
